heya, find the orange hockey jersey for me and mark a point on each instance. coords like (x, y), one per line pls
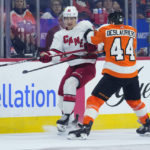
(119, 45)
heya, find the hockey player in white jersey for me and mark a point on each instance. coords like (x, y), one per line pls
(81, 69)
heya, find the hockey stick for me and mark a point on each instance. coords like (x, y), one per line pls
(32, 59)
(22, 61)
(18, 62)
(71, 52)
(27, 71)
(65, 60)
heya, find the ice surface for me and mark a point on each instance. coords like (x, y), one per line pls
(123, 139)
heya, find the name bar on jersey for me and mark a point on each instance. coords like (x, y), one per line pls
(117, 32)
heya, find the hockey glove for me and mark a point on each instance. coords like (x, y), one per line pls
(90, 47)
(45, 57)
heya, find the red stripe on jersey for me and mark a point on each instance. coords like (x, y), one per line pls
(56, 51)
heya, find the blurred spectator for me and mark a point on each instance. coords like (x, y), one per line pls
(3, 19)
(49, 20)
(99, 4)
(116, 6)
(91, 4)
(141, 7)
(83, 8)
(143, 52)
(31, 5)
(44, 5)
(23, 29)
(100, 13)
(56, 7)
(66, 3)
(108, 4)
(51, 32)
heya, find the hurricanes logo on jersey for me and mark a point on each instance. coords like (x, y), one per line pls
(74, 41)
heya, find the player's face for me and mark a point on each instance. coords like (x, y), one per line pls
(19, 3)
(70, 22)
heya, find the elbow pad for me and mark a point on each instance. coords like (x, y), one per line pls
(86, 33)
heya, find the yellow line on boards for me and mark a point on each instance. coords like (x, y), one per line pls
(36, 124)
(26, 124)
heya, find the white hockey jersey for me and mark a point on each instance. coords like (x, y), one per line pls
(72, 40)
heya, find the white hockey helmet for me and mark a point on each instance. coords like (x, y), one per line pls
(70, 11)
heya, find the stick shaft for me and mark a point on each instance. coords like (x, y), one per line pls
(36, 69)
(18, 62)
(71, 52)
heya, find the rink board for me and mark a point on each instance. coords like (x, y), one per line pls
(28, 102)
(45, 123)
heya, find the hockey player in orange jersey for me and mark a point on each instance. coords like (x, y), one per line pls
(119, 71)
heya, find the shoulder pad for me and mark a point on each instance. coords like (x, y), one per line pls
(84, 25)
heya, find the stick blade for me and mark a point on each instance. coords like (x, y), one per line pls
(25, 71)
(3, 65)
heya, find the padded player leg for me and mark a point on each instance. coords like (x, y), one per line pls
(92, 109)
(70, 88)
(60, 102)
(140, 110)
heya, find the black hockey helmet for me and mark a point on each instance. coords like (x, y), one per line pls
(116, 17)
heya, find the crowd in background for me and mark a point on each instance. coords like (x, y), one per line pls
(23, 20)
